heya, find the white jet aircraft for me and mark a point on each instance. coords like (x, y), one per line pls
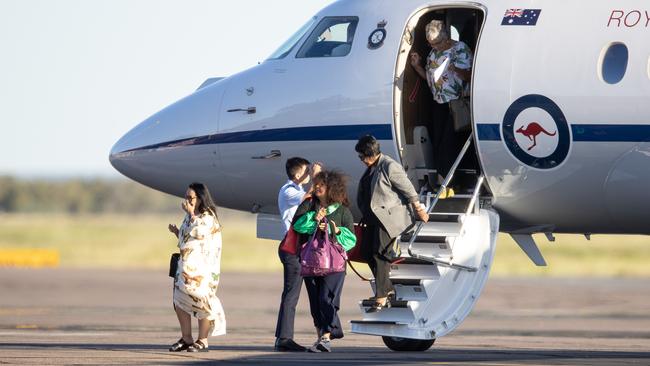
(558, 142)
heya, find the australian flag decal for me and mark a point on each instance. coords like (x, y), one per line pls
(521, 17)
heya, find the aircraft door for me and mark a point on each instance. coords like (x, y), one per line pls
(249, 161)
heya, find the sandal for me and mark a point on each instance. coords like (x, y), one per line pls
(198, 346)
(377, 306)
(181, 345)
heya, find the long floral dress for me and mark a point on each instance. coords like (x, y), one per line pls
(197, 277)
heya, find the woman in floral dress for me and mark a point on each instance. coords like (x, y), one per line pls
(197, 276)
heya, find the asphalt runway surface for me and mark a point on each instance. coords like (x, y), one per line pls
(65, 316)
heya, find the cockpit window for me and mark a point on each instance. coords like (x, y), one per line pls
(332, 37)
(287, 46)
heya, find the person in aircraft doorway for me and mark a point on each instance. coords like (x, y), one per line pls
(300, 172)
(448, 73)
(383, 197)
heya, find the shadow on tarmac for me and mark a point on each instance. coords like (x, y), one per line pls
(366, 355)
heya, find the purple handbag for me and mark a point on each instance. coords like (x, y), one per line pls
(321, 255)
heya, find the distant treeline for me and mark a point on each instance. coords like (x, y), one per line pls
(81, 196)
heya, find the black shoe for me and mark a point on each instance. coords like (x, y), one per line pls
(198, 346)
(288, 345)
(181, 345)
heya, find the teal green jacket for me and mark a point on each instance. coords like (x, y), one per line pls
(304, 223)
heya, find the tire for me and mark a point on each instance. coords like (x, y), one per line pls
(407, 344)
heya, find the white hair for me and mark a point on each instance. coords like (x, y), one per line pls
(436, 31)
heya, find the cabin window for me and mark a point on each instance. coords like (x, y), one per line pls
(614, 63)
(289, 44)
(332, 37)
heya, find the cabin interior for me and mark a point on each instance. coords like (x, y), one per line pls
(414, 100)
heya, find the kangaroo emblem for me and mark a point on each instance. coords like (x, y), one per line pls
(532, 130)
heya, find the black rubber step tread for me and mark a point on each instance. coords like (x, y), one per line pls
(411, 260)
(452, 205)
(393, 304)
(387, 322)
(470, 171)
(447, 217)
(407, 281)
(431, 239)
(423, 238)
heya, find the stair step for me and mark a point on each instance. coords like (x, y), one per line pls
(445, 217)
(393, 304)
(423, 238)
(467, 171)
(455, 204)
(436, 250)
(440, 229)
(378, 322)
(414, 268)
(407, 281)
(412, 261)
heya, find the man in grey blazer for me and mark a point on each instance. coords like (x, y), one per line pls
(384, 196)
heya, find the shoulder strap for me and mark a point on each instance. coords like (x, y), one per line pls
(357, 273)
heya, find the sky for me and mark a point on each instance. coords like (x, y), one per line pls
(75, 75)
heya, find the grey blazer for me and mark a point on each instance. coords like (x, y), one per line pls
(391, 193)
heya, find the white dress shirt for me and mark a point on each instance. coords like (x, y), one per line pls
(289, 198)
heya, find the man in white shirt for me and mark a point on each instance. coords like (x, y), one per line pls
(291, 195)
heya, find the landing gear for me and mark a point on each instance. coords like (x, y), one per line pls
(407, 344)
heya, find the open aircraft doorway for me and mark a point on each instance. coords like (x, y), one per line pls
(416, 117)
(450, 257)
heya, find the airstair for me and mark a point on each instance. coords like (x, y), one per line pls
(443, 270)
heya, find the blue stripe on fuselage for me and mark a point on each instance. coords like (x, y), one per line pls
(488, 132)
(316, 133)
(485, 131)
(584, 133)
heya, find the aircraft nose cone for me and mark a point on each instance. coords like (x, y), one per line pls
(162, 152)
(119, 154)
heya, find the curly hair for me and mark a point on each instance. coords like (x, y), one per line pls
(336, 183)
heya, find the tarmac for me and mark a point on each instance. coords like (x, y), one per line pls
(72, 316)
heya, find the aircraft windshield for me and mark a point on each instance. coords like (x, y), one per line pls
(291, 42)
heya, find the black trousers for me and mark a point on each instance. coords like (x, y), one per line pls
(325, 302)
(444, 138)
(375, 240)
(290, 295)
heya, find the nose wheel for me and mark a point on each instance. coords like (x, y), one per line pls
(407, 344)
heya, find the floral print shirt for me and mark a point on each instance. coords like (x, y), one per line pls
(446, 85)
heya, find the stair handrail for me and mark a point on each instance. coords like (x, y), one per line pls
(475, 195)
(443, 188)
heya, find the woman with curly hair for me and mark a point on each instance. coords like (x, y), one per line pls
(330, 202)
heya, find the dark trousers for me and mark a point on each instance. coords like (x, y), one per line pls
(443, 136)
(290, 295)
(375, 241)
(325, 302)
